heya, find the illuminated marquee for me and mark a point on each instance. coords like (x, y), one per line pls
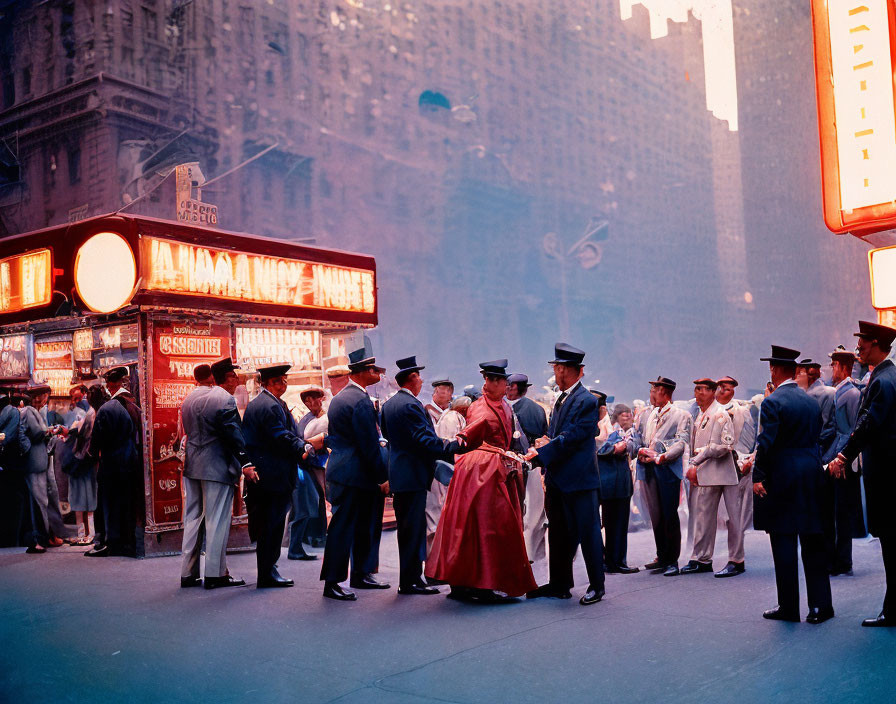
(857, 122)
(176, 267)
(189, 346)
(26, 281)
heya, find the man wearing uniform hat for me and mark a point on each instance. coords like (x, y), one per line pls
(357, 479)
(788, 484)
(659, 449)
(843, 509)
(713, 476)
(442, 391)
(338, 378)
(215, 458)
(534, 424)
(275, 448)
(414, 448)
(114, 442)
(568, 454)
(744, 443)
(817, 389)
(875, 436)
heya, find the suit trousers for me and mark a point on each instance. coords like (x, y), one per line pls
(410, 515)
(207, 512)
(435, 500)
(888, 552)
(535, 521)
(818, 582)
(271, 508)
(352, 534)
(661, 491)
(744, 515)
(574, 520)
(842, 500)
(707, 510)
(54, 513)
(118, 511)
(690, 497)
(37, 486)
(614, 514)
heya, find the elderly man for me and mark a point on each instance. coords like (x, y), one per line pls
(659, 448)
(843, 509)
(356, 474)
(875, 436)
(442, 392)
(534, 424)
(712, 473)
(214, 460)
(788, 485)
(338, 378)
(817, 389)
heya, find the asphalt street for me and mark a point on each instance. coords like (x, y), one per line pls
(75, 629)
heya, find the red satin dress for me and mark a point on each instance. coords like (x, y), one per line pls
(479, 541)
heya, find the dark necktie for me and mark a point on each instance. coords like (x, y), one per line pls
(560, 399)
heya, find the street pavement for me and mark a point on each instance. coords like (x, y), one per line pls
(76, 629)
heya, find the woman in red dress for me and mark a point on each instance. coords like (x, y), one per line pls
(479, 548)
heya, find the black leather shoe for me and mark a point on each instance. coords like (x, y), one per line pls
(190, 582)
(271, 582)
(333, 590)
(879, 622)
(37, 550)
(625, 569)
(817, 615)
(225, 581)
(655, 565)
(671, 571)
(101, 551)
(367, 581)
(592, 596)
(317, 542)
(550, 591)
(778, 614)
(731, 569)
(417, 589)
(695, 567)
(845, 570)
(303, 556)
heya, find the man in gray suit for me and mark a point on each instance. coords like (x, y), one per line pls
(818, 390)
(712, 474)
(215, 456)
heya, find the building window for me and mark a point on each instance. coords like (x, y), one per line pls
(26, 80)
(127, 25)
(74, 165)
(150, 24)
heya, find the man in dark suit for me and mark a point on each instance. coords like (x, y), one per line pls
(357, 478)
(788, 484)
(569, 456)
(114, 442)
(875, 437)
(215, 457)
(616, 489)
(414, 448)
(275, 448)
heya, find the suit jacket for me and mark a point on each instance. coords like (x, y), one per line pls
(414, 445)
(824, 394)
(533, 420)
(875, 436)
(216, 450)
(273, 443)
(11, 456)
(711, 446)
(356, 458)
(836, 432)
(788, 463)
(672, 430)
(570, 458)
(36, 429)
(614, 470)
(112, 440)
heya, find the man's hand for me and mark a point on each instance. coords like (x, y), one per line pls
(619, 448)
(531, 454)
(317, 441)
(746, 467)
(646, 456)
(250, 474)
(541, 442)
(691, 475)
(384, 487)
(836, 468)
(759, 489)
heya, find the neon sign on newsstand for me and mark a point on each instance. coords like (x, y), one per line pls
(854, 52)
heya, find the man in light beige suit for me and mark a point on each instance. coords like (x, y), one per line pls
(713, 475)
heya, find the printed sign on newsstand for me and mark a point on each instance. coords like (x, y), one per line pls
(178, 347)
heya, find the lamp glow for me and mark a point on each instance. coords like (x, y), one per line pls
(105, 272)
(882, 263)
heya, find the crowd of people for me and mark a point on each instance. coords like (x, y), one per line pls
(488, 483)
